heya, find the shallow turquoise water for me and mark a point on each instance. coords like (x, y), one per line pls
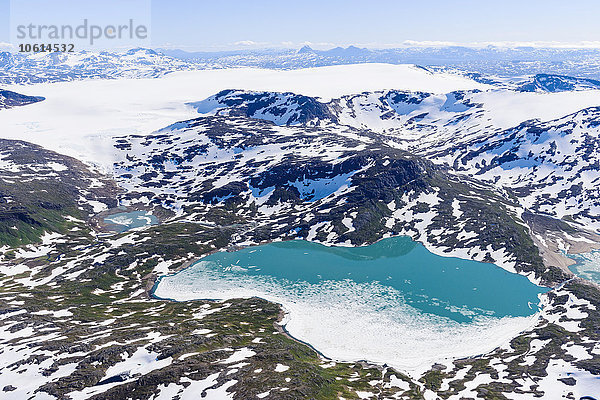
(121, 222)
(588, 266)
(403, 271)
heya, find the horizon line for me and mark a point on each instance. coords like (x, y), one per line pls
(248, 45)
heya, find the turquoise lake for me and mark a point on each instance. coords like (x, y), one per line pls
(404, 272)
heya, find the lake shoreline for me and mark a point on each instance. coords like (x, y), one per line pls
(505, 327)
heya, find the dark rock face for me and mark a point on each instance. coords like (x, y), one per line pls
(10, 99)
(113, 379)
(222, 193)
(568, 381)
(396, 97)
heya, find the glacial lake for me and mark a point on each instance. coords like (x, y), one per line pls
(393, 301)
(588, 266)
(124, 221)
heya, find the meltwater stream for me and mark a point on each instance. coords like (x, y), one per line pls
(392, 302)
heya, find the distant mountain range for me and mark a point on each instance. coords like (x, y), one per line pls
(488, 65)
(508, 62)
(17, 68)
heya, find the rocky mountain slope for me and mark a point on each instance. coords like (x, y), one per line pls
(72, 307)
(76, 318)
(329, 184)
(10, 99)
(550, 166)
(44, 192)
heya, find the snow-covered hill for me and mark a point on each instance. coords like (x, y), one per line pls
(333, 184)
(80, 117)
(553, 167)
(38, 188)
(558, 83)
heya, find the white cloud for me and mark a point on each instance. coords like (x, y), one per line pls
(251, 44)
(247, 43)
(6, 46)
(318, 45)
(503, 44)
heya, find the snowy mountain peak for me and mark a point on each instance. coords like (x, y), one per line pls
(142, 51)
(369, 110)
(306, 50)
(280, 108)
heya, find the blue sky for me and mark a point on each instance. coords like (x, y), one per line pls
(234, 24)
